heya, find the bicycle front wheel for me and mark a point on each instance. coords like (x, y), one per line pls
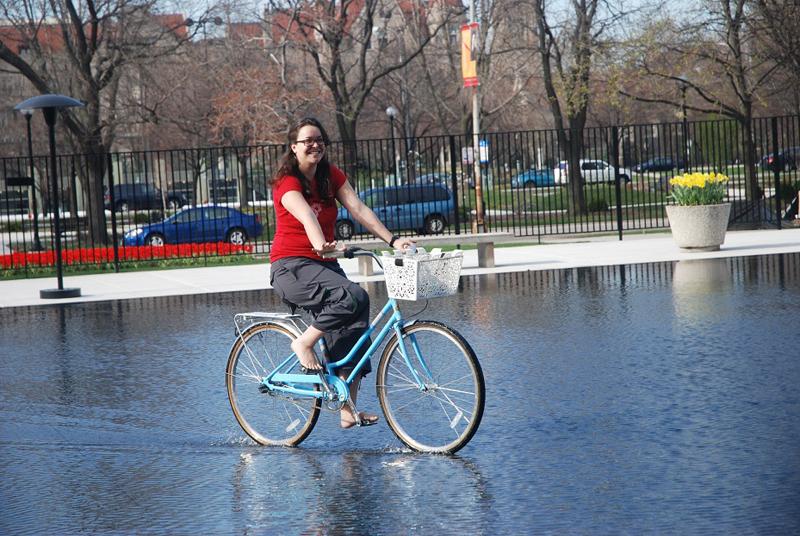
(270, 418)
(443, 414)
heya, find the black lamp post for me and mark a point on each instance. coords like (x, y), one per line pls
(683, 86)
(392, 112)
(37, 242)
(50, 104)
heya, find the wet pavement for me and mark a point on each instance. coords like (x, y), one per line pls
(645, 398)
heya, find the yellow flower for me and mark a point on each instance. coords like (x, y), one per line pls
(698, 180)
(698, 188)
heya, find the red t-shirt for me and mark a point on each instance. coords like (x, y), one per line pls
(290, 235)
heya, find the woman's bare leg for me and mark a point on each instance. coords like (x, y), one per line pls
(347, 418)
(303, 347)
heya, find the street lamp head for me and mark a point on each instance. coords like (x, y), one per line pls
(217, 21)
(48, 101)
(27, 112)
(392, 112)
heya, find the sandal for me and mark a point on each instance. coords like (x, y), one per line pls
(365, 418)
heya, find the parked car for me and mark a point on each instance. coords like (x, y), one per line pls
(433, 178)
(422, 207)
(13, 202)
(592, 171)
(208, 223)
(660, 163)
(786, 160)
(142, 195)
(445, 180)
(533, 177)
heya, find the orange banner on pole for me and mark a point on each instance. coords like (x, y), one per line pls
(469, 63)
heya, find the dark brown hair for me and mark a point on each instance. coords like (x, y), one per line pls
(288, 165)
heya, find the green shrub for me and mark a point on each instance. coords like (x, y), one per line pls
(147, 217)
(598, 204)
(788, 190)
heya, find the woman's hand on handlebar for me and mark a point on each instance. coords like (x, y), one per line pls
(328, 247)
(404, 244)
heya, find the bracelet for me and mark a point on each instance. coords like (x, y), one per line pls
(391, 242)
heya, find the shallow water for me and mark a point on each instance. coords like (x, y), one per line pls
(660, 398)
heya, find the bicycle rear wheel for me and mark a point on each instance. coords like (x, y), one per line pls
(442, 416)
(270, 418)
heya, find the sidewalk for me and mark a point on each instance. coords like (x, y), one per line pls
(591, 251)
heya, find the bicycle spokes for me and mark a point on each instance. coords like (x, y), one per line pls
(433, 394)
(267, 415)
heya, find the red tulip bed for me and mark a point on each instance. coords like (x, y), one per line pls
(104, 255)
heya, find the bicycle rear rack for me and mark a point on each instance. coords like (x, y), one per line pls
(293, 322)
(243, 321)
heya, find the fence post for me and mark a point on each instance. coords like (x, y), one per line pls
(776, 173)
(454, 182)
(112, 204)
(617, 187)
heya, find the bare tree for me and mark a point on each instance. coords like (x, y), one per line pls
(84, 54)
(712, 63)
(567, 50)
(348, 56)
(256, 101)
(779, 39)
(503, 68)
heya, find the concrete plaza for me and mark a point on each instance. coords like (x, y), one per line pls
(554, 254)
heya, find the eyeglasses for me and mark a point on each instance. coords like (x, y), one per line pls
(310, 142)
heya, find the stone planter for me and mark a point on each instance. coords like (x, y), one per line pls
(699, 227)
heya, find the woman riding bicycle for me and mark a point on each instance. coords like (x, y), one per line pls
(305, 190)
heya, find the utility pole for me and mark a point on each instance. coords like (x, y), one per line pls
(479, 225)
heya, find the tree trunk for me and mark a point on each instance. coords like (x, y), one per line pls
(753, 191)
(573, 146)
(244, 198)
(93, 182)
(347, 132)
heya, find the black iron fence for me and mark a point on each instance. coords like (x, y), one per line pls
(160, 204)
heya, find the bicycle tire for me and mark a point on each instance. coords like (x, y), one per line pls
(444, 416)
(268, 418)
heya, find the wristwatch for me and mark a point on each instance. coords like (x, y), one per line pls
(391, 242)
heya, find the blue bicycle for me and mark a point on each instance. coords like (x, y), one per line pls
(429, 382)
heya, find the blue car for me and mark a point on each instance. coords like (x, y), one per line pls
(533, 177)
(427, 208)
(211, 223)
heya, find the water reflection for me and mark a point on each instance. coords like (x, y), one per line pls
(695, 284)
(359, 492)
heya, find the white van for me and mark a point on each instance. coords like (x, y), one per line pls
(593, 171)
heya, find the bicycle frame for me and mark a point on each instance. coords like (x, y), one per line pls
(282, 380)
(429, 384)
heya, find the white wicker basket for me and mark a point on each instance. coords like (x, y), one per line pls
(418, 277)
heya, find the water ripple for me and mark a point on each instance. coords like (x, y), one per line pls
(658, 399)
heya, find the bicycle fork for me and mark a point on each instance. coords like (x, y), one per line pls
(401, 344)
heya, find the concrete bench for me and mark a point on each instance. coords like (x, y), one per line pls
(484, 241)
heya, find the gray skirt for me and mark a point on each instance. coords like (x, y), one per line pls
(338, 306)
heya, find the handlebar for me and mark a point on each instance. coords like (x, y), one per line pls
(351, 252)
(348, 253)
